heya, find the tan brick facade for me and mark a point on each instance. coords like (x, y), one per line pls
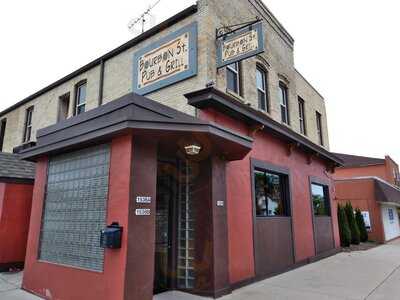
(118, 72)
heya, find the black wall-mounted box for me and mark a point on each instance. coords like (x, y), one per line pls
(111, 236)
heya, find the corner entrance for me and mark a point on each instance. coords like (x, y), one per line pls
(175, 231)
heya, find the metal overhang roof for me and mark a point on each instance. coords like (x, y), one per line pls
(141, 116)
(211, 97)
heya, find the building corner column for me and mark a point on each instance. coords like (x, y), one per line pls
(221, 283)
(139, 280)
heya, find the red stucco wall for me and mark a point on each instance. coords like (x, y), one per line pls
(239, 199)
(68, 283)
(15, 211)
(361, 194)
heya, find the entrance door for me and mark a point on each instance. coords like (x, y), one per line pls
(322, 218)
(166, 191)
(175, 220)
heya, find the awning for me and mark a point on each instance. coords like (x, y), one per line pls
(386, 193)
(140, 116)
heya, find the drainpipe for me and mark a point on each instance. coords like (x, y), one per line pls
(101, 83)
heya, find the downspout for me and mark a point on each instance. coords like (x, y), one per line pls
(101, 83)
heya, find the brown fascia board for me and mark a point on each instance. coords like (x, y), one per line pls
(214, 98)
(357, 161)
(16, 180)
(131, 112)
(133, 42)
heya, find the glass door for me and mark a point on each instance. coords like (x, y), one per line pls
(164, 212)
(175, 220)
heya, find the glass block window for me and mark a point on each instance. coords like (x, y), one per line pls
(75, 208)
(186, 230)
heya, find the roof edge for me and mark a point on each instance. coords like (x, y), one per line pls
(212, 97)
(309, 83)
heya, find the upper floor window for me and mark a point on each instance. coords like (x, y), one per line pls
(28, 124)
(283, 100)
(3, 124)
(80, 98)
(319, 128)
(63, 107)
(262, 89)
(320, 198)
(233, 78)
(302, 117)
(271, 194)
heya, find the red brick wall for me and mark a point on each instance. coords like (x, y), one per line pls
(390, 167)
(68, 283)
(15, 211)
(376, 170)
(361, 194)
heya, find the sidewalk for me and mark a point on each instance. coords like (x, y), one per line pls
(373, 274)
(10, 284)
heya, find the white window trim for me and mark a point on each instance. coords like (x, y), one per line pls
(265, 90)
(237, 72)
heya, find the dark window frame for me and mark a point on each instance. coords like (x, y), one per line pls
(258, 165)
(264, 72)
(77, 90)
(284, 91)
(326, 189)
(3, 126)
(318, 119)
(302, 116)
(28, 125)
(238, 74)
(61, 99)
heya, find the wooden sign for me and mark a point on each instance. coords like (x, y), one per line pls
(167, 61)
(240, 45)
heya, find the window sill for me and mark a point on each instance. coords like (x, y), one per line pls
(237, 96)
(265, 112)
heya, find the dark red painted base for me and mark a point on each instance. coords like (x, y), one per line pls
(15, 212)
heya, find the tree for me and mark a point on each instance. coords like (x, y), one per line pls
(361, 226)
(355, 232)
(344, 229)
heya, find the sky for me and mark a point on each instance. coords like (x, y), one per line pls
(348, 50)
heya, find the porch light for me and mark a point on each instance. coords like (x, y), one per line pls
(192, 149)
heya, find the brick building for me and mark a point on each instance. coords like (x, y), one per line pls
(373, 185)
(203, 154)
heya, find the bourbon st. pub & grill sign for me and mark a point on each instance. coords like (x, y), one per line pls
(167, 61)
(240, 44)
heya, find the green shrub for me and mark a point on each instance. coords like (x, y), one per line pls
(344, 229)
(355, 232)
(361, 226)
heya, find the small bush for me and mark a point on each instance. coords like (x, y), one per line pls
(355, 232)
(361, 226)
(344, 229)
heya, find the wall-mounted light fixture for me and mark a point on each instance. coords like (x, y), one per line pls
(192, 149)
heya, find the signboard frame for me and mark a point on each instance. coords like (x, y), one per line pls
(191, 71)
(258, 27)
